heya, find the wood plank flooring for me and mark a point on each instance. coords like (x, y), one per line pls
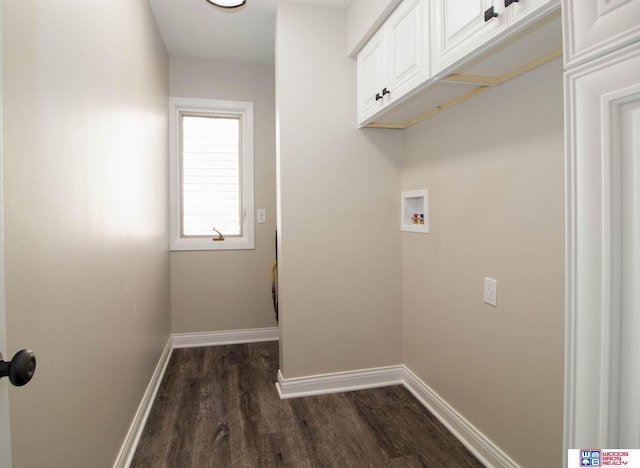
(218, 407)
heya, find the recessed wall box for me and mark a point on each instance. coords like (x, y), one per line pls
(415, 211)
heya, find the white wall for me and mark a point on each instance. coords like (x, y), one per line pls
(494, 167)
(230, 290)
(87, 262)
(339, 252)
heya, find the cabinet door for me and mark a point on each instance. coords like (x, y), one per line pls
(458, 28)
(519, 11)
(593, 28)
(408, 59)
(371, 77)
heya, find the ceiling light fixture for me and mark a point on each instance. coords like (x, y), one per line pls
(227, 3)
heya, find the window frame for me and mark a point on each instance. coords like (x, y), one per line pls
(243, 109)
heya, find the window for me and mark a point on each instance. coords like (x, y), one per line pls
(211, 174)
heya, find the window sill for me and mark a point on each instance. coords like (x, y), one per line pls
(205, 243)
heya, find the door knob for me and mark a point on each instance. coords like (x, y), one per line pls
(378, 97)
(385, 91)
(509, 2)
(20, 369)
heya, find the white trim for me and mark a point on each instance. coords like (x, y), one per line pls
(338, 382)
(5, 428)
(190, 340)
(471, 437)
(130, 444)
(479, 444)
(594, 94)
(589, 34)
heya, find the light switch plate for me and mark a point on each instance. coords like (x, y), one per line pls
(490, 291)
(262, 216)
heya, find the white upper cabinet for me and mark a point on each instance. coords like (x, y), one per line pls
(458, 26)
(593, 28)
(408, 55)
(521, 10)
(430, 55)
(395, 60)
(371, 77)
(462, 28)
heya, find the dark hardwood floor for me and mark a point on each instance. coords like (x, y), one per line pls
(218, 407)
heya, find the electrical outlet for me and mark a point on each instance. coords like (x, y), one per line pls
(262, 216)
(490, 291)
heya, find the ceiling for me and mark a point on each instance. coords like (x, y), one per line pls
(197, 29)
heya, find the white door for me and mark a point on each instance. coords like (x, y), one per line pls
(459, 27)
(629, 135)
(5, 434)
(596, 27)
(371, 76)
(408, 58)
(603, 252)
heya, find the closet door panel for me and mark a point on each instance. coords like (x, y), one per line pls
(628, 115)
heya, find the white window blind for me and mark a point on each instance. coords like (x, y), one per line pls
(211, 169)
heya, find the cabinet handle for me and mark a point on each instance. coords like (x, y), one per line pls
(490, 14)
(509, 2)
(385, 91)
(378, 97)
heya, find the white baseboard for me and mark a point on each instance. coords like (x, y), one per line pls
(190, 340)
(479, 444)
(130, 444)
(338, 382)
